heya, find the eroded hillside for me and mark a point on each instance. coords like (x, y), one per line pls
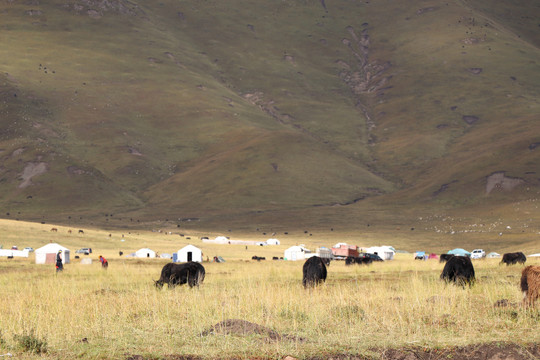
(211, 109)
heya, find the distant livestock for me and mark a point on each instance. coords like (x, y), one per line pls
(258, 258)
(81, 232)
(445, 257)
(314, 272)
(530, 284)
(514, 258)
(460, 270)
(173, 274)
(54, 230)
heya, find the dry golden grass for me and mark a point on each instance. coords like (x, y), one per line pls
(120, 313)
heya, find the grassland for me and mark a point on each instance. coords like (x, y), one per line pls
(86, 312)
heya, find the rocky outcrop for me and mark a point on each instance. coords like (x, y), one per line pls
(363, 76)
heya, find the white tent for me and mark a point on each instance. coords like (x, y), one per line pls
(385, 252)
(296, 253)
(13, 253)
(272, 242)
(492, 255)
(47, 254)
(145, 253)
(189, 253)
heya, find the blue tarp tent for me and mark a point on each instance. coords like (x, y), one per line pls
(459, 252)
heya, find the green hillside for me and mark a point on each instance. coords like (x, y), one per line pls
(243, 112)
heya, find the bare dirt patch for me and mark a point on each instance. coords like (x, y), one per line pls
(31, 170)
(488, 351)
(242, 327)
(499, 180)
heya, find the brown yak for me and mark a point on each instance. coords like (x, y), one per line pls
(530, 284)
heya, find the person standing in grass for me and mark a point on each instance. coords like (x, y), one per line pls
(104, 262)
(59, 265)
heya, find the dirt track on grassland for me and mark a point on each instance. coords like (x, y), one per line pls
(489, 351)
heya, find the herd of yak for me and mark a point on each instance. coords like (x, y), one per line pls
(458, 269)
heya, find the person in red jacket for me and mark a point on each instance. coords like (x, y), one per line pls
(104, 262)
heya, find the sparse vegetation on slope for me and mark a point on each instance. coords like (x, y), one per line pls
(236, 111)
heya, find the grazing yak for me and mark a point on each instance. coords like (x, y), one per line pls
(314, 272)
(514, 258)
(530, 284)
(460, 270)
(174, 274)
(445, 257)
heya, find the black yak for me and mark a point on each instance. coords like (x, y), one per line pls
(460, 270)
(314, 271)
(173, 274)
(530, 284)
(514, 258)
(445, 257)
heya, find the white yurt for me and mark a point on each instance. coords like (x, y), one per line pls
(272, 242)
(189, 253)
(47, 254)
(296, 253)
(145, 253)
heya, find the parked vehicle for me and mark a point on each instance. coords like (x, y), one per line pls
(29, 249)
(373, 257)
(85, 251)
(478, 254)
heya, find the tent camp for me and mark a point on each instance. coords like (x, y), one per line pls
(47, 254)
(296, 253)
(145, 253)
(492, 255)
(459, 252)
(189, 253)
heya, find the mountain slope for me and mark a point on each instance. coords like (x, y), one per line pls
(208, 109)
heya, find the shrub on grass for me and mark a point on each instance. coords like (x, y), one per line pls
(30, 343)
